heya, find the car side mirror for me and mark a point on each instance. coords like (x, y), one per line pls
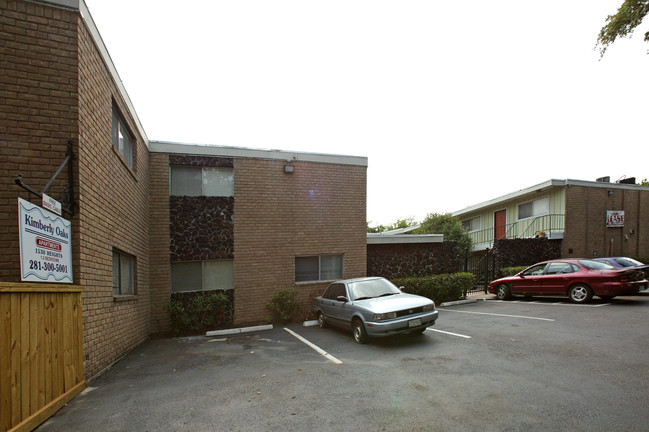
(402, 288)
(522, 276)
(342, 299)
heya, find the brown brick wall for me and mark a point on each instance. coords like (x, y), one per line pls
(585, 225)
(319, 209)
(38, 113)
(113, 213)
(159, 242)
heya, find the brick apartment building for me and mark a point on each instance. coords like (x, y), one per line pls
(575, 213)
(152, 218)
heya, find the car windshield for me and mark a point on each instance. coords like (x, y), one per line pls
(372, 288)
(595, 265)
(628, 262)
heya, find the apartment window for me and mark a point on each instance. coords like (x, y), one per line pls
(534, 208)
(123, 273)
(472, 224)
(123, 140)
(318, 268)
(202, 275)
(202, 181)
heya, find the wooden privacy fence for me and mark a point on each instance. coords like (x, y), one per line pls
(41, 352)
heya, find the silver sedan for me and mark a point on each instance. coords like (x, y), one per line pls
(373, 306)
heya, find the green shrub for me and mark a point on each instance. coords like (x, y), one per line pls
(439, 288)
(284, 306)
(196, 313)
(511, 271)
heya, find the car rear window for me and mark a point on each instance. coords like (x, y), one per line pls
(595, 265)
(628, 262)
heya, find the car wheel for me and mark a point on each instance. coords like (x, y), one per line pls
(360, 334)
(580, 293)
(503, 292)
(321, 320)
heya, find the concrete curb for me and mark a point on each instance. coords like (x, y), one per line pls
(460, 302)
(239, 330)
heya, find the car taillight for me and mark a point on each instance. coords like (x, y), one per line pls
(631, 275)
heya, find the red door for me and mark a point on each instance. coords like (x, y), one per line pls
(500, 224)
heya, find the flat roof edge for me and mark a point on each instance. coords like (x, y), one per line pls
(608, 185)
(245, 152)
(404, 238)
(81, 6)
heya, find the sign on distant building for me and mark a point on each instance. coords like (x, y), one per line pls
(45, 245)
(614, 219)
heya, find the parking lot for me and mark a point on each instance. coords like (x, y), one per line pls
(522, 365)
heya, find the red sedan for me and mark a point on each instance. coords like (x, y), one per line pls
(579, 279)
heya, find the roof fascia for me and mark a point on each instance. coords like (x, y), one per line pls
(244, 152)
(80, 6)
(541, 187)
(404, 238)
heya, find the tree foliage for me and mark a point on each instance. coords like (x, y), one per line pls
(623, 23)
(400, 223)
(449, 225)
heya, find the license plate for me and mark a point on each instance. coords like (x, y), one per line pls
(414, 323)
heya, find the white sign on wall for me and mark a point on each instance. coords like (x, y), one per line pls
(51, 204)
(614, 219)
(45, 245)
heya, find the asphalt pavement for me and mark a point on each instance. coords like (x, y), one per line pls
(489, 365)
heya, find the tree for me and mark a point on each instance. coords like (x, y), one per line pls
(622, 24)
(449, 225)
(400, 223)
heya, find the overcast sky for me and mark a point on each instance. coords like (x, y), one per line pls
(453, 102)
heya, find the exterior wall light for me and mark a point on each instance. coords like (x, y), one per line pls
(289, 169)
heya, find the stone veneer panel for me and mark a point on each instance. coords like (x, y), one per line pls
(207, 161)
(412, 260)
(201, 228)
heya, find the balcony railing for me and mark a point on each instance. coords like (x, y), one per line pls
(550, 225)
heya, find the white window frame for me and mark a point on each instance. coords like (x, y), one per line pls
(119, 259)
(203, 276)
(122, 138)
(203, 185)
(470, 223)
(532, 202)
(320, 276)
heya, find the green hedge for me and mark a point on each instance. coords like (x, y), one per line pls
(511, 271)
(196, 313)
(439, 288)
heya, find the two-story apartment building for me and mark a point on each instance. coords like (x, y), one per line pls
(591, 218)
(149, 219)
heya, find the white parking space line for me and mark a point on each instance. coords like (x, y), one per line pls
(315, 347)
(501, 315)
(551, 303)
(449, 333)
